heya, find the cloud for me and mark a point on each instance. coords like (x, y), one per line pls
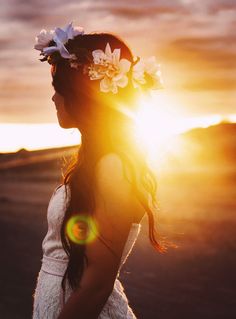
(196, 39)
(34, 11)
(213, 42)
(211, 52)
(5, 43)
(210, 84)
(142, 10)
(219, 5)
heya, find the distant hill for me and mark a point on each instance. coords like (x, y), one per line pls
(24, 157)
(213, 145)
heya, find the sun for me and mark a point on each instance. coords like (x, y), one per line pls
(157, 120)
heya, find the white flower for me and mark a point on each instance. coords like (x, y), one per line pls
(110, 69)
(43, 39)
(149, 66)
(138, 73)
(60, 36)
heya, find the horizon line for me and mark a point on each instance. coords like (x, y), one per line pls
(72, 137)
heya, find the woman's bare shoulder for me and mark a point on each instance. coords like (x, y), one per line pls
(109, 165)
(112, 184)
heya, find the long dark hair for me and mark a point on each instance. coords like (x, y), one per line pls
(104, 128)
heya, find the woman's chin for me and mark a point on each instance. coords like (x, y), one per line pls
(65, 125)
(62, 123)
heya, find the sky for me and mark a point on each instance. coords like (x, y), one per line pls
(194, 41)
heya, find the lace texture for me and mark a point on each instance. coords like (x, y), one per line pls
(48, 297)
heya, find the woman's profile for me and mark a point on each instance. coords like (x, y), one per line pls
(94, 215)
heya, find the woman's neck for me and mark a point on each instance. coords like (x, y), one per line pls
(103, 138)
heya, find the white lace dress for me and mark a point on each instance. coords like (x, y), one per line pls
(48, 297)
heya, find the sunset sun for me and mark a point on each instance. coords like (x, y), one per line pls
(156, 123)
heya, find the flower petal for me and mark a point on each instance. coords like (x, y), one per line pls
(69, 30)
(70, 34)
(138, 72)
(117, 77)
(157, 83)
(50, 50)
(38, 46)
(124, 65)
(63, 51)
(108, 50)
(139, 66)
(97, 56)
(151, 66)
(123, 81)
(60, 35)
(135, 84)
(105, 84)
(78, 30)
(114, 89)
(43, 39)
(116, 56)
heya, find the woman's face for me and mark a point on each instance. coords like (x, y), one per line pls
(64, 118)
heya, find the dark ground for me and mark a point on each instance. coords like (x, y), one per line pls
(196, 280)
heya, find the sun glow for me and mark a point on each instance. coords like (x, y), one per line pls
(155, 120)
(158, 121)
(35, 136)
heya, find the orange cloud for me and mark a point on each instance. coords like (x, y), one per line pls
(210, 84)
(217, 7)
(140, 11)
(211, 52)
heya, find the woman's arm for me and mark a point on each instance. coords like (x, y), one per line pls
(114, 214)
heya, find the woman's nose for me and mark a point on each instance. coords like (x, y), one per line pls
(53, 97)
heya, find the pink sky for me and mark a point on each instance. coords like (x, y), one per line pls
(193, 40)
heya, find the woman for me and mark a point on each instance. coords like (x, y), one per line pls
(94, 216)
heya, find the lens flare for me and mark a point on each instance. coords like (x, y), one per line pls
(81, 229)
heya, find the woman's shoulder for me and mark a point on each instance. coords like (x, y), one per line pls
(109, 171)
(112, 183)
(109, 162)
(114, 168)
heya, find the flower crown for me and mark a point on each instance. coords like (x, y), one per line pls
(105, 66)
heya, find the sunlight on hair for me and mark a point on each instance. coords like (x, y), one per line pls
(81, 229)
